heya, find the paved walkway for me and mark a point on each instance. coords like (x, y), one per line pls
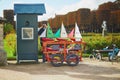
(86, 70)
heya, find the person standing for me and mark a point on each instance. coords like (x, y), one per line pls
(40, 32)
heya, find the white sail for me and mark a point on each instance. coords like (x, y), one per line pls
(43, 34)
(77, 36)
(63, 33)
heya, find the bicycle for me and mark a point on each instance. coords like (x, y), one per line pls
(95, 55)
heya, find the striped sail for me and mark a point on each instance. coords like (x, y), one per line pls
(43, 34)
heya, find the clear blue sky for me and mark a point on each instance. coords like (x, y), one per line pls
(54, 6)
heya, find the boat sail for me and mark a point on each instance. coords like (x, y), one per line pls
(63, 33)
(71, 34)
(77, 36)
(43, 34)
(57, 34)
(49, 31)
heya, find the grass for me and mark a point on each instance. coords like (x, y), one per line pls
(11, 57)
(85, 55)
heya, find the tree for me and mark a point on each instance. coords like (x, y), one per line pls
(117, 2)
(9, 16)
(8, 28)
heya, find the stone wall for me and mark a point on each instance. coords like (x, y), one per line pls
(3, 56)
(1, 37)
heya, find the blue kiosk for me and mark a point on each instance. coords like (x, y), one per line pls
(27, 30)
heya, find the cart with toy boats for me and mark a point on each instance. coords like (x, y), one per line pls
(61, 51)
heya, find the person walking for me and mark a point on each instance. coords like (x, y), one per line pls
(40, 32)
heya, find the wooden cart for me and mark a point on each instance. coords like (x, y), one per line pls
(63, 54)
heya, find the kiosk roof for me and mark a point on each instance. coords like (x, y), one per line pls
(38, 9)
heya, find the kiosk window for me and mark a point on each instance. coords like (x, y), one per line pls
(27, 33)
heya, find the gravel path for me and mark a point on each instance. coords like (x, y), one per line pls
(86, 70)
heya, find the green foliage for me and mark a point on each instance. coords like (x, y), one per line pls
(85, 55)
(8, 28)
(93, 42)
(99, 42)
(10, 44)
(39, 46)
(116, 40)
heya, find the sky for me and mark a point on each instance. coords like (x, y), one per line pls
(54, 7)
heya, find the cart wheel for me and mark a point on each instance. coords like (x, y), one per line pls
(57, 60)
(72, 60)
(98, 56)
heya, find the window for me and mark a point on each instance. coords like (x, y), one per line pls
(27, 34)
